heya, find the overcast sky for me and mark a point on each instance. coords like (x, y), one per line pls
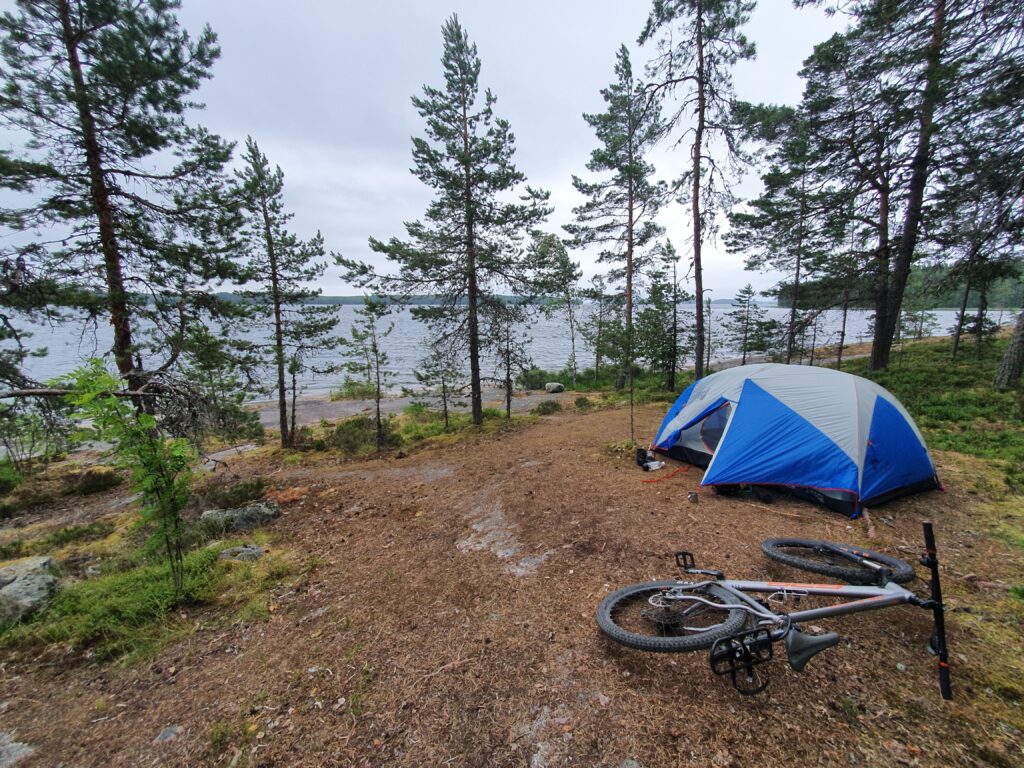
(324, 88)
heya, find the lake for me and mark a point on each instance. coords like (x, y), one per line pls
(68, 345)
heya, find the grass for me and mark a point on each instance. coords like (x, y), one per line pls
(131, 611)
(73, 534)
(954, 403)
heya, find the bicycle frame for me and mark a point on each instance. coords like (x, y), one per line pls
(860, 598)
(747, 648)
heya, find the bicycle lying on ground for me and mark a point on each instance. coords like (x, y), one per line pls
(740, 630)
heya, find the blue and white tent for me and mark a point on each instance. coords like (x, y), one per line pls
(840, 439)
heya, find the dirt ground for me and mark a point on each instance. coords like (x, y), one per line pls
(445, 617)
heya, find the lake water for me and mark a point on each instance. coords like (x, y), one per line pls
(68, 345)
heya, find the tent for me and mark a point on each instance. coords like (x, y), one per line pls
(838, 439)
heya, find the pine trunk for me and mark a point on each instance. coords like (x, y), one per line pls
(275, 300)
(117, 298)
(884, 332)
(1009, 372)
(698, 141)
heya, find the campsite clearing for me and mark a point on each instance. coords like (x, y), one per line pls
(443, 614)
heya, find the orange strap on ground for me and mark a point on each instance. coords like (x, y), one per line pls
(673, 473)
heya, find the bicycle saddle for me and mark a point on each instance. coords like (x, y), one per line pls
(800, 647)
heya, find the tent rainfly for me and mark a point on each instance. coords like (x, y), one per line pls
(838, 439)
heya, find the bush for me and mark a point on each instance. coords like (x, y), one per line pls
(9, 477)
(359, 435)
(547, 407)
(227, 496)
(583, 403)
(354, 389)
(92, 480)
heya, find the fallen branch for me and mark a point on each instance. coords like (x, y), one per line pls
(51, 392)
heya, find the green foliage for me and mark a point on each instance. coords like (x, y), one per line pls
(353, 389)
(161, 469)
(283, 267)
(94, 531)
(366, 356)
(954, 403)
(583, 403)
(359, 435)
(467, 243)
(547, 407)
(93, 480)
(227, 496)
(119, 613)
(123, 213)
(10, 478)
(33, 433)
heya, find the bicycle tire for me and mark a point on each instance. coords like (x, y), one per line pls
(658, 641)
(851, 573)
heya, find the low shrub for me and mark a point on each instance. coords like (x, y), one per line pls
(547, 407)
(92, 480)
(229, 495)
(9, 477)
(119, 613)
(358, 435)
(583, 403)
(354, 389)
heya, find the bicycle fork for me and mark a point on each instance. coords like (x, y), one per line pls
(930, 560)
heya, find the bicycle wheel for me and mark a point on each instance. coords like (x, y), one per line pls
(817, 557)
(651, 617)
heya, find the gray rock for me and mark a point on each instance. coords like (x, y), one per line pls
(27, 565)
(246, 553)
(170, 733)
(27, 587)
(92, 571)
(553, 387)
(253, 514)
(12, 752)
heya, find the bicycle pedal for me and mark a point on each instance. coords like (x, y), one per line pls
(739, 655)
(748, 648)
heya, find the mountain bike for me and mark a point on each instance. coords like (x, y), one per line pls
(739, 630)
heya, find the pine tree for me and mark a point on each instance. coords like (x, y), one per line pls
(367, 355)
(283, 266)
(469, 242)
(697, 43)
(599, 327)
(790, 226)
(505, 336)
(891, 96)
(619, 214)
(746, 327)
(558, 283)
(130, 198)
(439, 379)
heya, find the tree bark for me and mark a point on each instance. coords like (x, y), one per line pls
(117, 298)
(915, 193)
(698, 142)
(275, 299)
(1009, 372)
(473, 289)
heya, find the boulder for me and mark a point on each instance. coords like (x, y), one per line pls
(553, 387)
(252, 515)
(25, 587)
(247, 553)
